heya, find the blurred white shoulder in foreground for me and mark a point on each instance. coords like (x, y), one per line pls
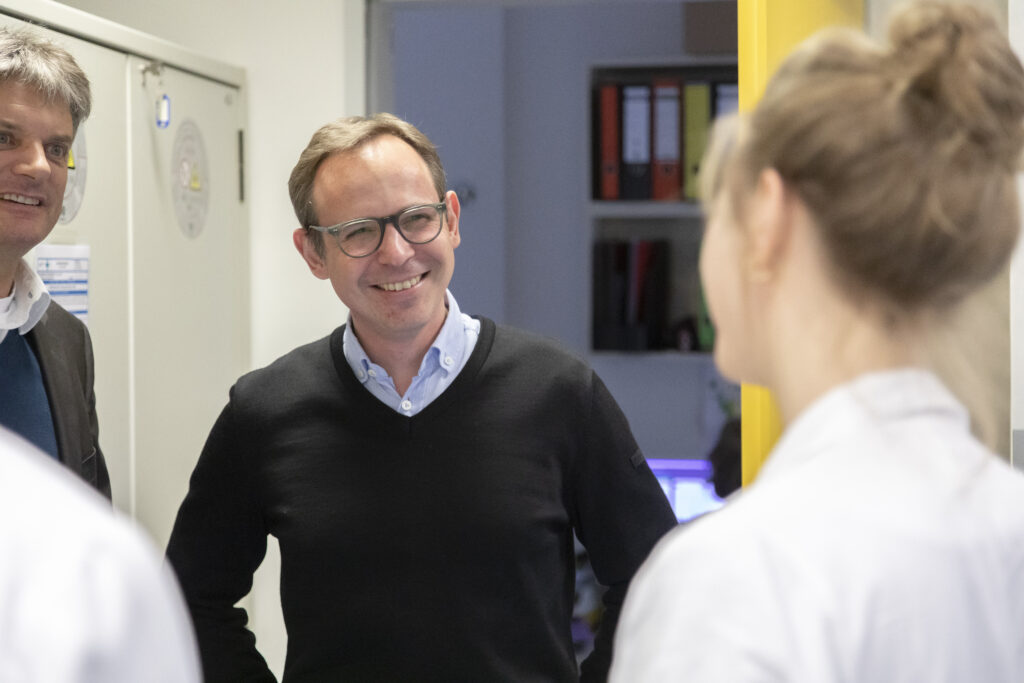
(84, 595)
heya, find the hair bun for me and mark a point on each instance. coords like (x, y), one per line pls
(954, 77)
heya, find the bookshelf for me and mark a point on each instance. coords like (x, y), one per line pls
(649, 121)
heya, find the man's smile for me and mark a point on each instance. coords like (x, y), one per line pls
(20, 199)
(399, 286)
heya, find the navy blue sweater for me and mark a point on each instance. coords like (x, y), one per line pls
(24, 406)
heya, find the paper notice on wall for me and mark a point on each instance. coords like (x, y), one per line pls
(64, 269)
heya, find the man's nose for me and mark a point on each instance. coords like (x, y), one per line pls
(394, 249)
(32, 161)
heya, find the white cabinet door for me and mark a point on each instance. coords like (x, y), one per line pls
(190, 274)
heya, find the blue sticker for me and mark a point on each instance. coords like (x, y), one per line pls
(163, 112)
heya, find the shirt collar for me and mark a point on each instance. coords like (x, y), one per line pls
(449, 343)
(856, 407)
(26, 304)
(451, 340)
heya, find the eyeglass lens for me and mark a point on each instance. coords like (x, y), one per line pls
(418, 225)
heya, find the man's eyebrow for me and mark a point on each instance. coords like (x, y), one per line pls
(7, 125)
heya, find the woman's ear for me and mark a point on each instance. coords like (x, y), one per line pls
(770, 225)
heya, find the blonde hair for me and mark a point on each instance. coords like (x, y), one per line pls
(905, 155)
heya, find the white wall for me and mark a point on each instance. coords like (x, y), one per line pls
(305, 65)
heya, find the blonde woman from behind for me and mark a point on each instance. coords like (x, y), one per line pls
(870, 192)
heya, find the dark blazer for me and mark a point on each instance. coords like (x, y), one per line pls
(62, 344)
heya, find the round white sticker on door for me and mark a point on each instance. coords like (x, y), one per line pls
(190, 182)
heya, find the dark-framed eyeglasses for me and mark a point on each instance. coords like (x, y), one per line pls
(361, 237)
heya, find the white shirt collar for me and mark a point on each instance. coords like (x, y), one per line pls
(26, 304)
(840, 414)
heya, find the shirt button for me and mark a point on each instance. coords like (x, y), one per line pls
(448, 360)
(373, 373)
(406, 404)
(362, 375)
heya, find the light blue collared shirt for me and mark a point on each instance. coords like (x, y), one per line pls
(441, 365)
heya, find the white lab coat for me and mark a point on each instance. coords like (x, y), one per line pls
(881, 542)
(84, 596)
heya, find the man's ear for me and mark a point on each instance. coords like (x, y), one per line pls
(452, 214)
(305, 247)
(770, 225)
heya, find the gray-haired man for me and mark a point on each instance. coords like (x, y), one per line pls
(46, 393)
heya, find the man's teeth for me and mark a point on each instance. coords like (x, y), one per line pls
(399, 286)
(20, 199)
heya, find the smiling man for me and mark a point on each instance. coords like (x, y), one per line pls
(423, 470)
(46, 365)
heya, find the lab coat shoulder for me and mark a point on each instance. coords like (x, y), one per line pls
(693, 609)
(85, 595)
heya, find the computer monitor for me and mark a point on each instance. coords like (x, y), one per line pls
(687, 485)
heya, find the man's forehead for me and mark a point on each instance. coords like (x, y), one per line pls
(383, 154)
(48, 97)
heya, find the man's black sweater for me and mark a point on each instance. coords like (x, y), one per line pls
(437, 547)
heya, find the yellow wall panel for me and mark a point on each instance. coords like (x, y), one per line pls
(768, 31)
